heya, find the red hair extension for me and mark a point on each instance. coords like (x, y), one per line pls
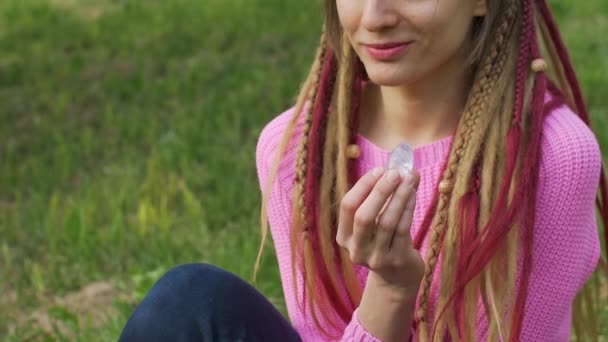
(581, 108)
(314, 165)
(353, 119)
(477, 253)
(353, 128)
(469, 218)
(499, 223)
(557, 98)
(426, 222)
(528, 184)
(513, 138)
(564, 57)
(530, 181)
(425, 225)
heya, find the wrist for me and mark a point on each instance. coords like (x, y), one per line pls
(386, 311)
(390, 292)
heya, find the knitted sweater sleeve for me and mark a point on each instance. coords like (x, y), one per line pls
(279, 218)
(566, 245)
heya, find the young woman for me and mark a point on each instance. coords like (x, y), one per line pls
(490, 237)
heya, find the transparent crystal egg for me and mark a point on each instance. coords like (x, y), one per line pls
(401, 159)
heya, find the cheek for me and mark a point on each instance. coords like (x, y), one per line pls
(349, 14)
(443, 23)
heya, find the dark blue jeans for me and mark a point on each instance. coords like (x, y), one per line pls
(200, 302)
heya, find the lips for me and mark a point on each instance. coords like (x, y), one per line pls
(387, 51)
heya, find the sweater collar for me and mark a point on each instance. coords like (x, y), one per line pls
(425, 156)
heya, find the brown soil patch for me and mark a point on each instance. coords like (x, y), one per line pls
(93, 305)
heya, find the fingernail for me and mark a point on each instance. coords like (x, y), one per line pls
(393, 176)
(377, 171)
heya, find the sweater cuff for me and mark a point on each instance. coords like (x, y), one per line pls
(355, 332)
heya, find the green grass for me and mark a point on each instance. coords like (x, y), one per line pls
(128, 139)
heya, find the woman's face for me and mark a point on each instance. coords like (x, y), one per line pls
(404, 41)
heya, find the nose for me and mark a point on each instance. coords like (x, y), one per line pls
(379, 15)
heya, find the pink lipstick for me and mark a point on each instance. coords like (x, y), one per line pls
(388, 51)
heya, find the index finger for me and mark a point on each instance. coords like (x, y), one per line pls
(353, 199)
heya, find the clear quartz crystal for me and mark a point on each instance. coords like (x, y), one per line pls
(401, 159)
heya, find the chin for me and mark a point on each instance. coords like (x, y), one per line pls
(387, 75)
(387, 79)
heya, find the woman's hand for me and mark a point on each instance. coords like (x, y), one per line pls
(374, 226)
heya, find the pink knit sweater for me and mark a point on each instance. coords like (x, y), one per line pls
(566, 247)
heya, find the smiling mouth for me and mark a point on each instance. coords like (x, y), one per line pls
(387, 51)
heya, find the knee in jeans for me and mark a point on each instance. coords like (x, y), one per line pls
(194, 271)
(199, 274)
(203, 279)
(181, 300)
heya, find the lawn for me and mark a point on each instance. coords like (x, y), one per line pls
(127, 144)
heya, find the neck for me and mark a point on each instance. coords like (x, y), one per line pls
(418, 113)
